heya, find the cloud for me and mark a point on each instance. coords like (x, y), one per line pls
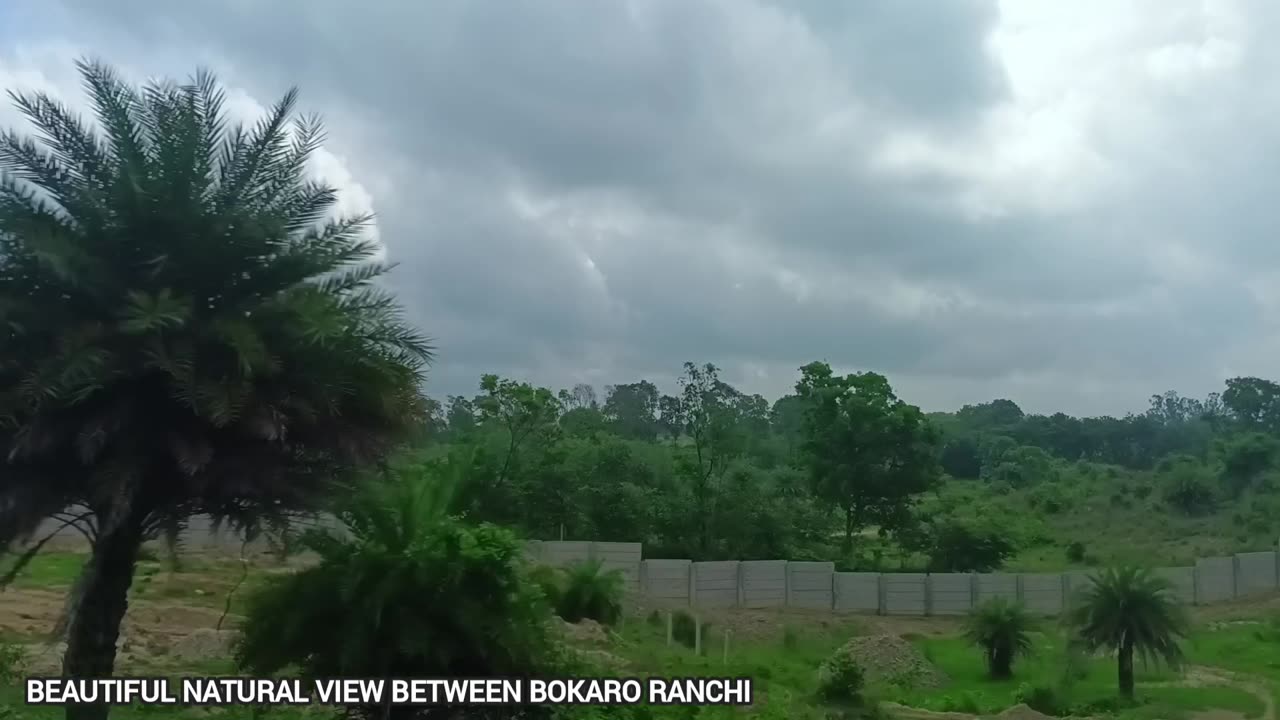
(1066, 206)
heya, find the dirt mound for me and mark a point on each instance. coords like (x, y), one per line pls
(585, 631)
(1022, 712)
(604, 659)
(893, 659)
(203, 644)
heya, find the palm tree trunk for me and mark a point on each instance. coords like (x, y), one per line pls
(1124, 659)
(1001, 663)
(95, 627)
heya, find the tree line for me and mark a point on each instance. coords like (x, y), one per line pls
(712, 472)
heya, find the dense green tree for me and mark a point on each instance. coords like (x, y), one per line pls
(1187, 486)
(954, 544)
(996, 414)
(186, 329)
(459, 417)
(1253, 402)
(1130, 611)
(1245, 458)
(869, 453)
(632, 410)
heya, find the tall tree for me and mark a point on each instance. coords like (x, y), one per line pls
(1254, 402)
(869, 453)
(522, 411)
(187, 329)
(706, 407)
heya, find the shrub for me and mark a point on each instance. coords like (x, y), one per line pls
(790, 638)
(1039, 698)
(13, 663)
(967, 545)
(841, 681)
(965, 702)
(1076, 552)
(684, 629)
(550, 581)
(590, 592)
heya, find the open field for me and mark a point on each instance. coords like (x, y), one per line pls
(921, 664)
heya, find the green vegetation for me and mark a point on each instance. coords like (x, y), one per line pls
(406, 591)
(1003, 630)
(1130, 611)
(591, 593)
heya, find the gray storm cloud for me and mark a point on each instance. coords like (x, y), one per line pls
(979, 199)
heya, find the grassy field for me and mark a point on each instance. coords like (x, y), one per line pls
(1234, 651)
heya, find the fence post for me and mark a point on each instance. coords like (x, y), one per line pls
(974, 581)
(1018, 592)
(697, 634)
(693, 582)
(1235, 576)
(786, 584)
(742, 590)
(881, 594)
(1277, 559)
(1195, 584)
(1065, 584)
(928, 595)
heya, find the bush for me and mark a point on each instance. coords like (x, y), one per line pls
(590, 592)
(841, 681)
(967, 545)
(684, 629)
(407, 590)
(966, 702)
(13, 663)
(550, 581)
(1039, 698)
(1076, 552)
(790, 638)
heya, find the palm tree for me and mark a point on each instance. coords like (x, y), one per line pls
(405, 587)
(1126, 611)
(1003, 630)
(187, 329)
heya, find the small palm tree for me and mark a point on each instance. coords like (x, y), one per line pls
(591, 592)
(186, 329)
(404, 587)
(1003, 630)
(1128, 611)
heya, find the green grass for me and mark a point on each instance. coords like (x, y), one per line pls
(970, 690)
(48, 569)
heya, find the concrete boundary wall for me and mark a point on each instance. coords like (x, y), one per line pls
(816, 585)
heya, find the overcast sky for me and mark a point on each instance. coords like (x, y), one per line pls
(1070, 204)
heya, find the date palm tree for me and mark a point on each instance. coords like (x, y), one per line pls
(187, 328)
(1130, 611)
(1003, 630)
